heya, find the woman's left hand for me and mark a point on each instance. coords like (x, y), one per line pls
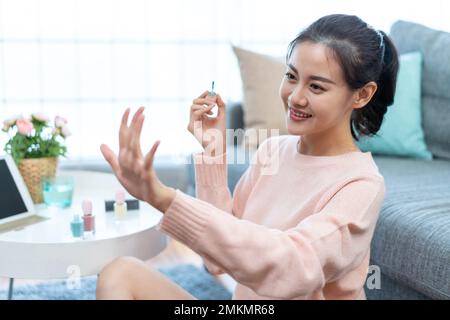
(134, 171)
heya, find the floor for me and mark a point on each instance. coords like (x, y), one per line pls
(175, 253)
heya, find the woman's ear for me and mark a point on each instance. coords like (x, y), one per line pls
(364, 95)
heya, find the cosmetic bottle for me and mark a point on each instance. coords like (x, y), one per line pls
(76, 226)
(120, 206)
(211, 97)
(88, 219)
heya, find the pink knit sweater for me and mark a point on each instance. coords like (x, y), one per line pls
(297, 227)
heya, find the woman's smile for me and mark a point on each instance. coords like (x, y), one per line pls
(297, 115)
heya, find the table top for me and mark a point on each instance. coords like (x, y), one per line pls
(46, 249)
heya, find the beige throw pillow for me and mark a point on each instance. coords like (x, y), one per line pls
(261, 78)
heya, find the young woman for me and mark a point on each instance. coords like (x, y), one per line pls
(304, 230)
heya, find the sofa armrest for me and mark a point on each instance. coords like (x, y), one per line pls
(235, 120)
(235, 115)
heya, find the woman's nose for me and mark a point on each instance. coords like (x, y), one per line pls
(297, 97)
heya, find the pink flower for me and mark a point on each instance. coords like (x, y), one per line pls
(24, 126)
(39, 117)
(8, 123)
(6, 126)
(65, 132)
(60, 122)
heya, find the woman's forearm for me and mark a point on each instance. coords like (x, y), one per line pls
(164, 198)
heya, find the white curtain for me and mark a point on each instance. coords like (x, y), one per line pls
(88, 60)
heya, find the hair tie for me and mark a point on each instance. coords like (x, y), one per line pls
(382, 44)
(381, 38)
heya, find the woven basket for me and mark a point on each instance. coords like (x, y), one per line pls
(33, 170)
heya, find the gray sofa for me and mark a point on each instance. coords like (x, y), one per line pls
(411, 245)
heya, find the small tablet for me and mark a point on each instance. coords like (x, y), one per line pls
(15, 200)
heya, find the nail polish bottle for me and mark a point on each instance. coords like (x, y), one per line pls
(88, 219)
(76, 226)
(120, 206)
(211, 97)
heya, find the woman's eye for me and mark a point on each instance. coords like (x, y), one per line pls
(289, 76)
(315, 87)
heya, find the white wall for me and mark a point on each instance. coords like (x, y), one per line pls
(90, 59)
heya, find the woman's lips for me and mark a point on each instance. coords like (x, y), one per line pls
(298, 115)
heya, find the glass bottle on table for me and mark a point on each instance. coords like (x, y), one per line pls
(88, 219)
(120, 206)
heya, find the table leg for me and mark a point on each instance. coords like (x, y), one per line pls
(11, 288)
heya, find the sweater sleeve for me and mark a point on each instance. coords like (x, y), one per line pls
(211, 183)
(283, 264)
(212, 186)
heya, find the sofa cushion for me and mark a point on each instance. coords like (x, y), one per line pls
(393, 290)
(435, 46)
(261, 77)
(411, 243)
(401, 132)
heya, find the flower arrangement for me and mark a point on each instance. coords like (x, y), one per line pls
(34, 137)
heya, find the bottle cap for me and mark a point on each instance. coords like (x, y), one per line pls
(212, 93)
(87, 207)
(76, 217)
(120, 197)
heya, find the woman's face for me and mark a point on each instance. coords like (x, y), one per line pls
(314, 92)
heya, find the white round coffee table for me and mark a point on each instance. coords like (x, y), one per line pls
(47, 250)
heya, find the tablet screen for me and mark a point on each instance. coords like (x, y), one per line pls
(11, 202)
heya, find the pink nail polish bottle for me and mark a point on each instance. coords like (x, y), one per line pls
(88, 219)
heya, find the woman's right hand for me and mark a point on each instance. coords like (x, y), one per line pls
(209, 132)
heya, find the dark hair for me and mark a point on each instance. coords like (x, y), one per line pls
(364, 55)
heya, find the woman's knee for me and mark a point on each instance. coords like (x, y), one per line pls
(119, 270)
(116, 277)
(130, 278)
